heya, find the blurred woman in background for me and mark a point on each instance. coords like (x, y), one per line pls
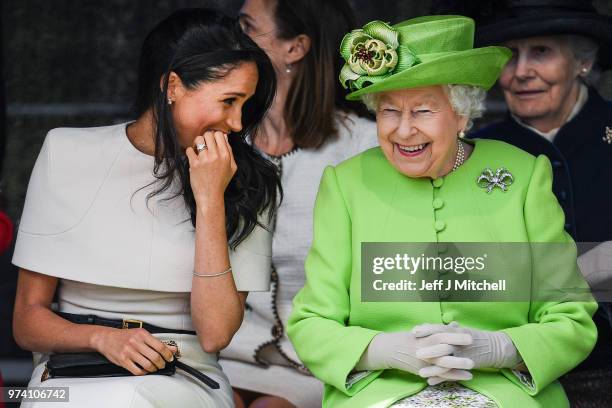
(309, 126)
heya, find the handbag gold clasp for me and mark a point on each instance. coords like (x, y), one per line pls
(127, 322)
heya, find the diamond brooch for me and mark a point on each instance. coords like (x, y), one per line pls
(502, 178)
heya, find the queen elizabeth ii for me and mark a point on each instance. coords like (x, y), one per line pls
(425, 82)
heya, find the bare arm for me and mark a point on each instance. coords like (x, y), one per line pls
(216, 306)
(35, 325)
(38, 328)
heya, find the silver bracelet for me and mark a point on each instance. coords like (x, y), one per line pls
(212, 275)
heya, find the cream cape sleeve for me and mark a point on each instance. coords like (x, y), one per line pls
(86, 218)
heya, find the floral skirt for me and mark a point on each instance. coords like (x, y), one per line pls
(446, 395)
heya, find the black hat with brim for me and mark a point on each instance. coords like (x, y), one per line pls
(514, 19)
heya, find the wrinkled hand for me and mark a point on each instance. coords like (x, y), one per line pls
(212, 169)
(401, 350)
(136, 350)
(489, 349)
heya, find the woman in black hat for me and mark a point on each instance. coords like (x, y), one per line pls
(559, 47)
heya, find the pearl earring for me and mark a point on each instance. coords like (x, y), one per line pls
(170, 101)
(288, 68)
(584, 70)
(461, 134)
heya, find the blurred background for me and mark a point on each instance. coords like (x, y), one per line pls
(73, 63)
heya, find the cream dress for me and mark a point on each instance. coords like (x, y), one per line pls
(87, 221)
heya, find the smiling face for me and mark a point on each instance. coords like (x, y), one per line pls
(215, 105)
(540, 81)
(417, 130)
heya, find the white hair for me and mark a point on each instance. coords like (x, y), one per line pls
(466, 100)
(584, 50)
(370, 100)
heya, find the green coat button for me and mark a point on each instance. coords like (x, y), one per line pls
(439, 225)
(447, 317)
(438, 182)
(438, 203)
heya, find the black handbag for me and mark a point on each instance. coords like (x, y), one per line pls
(67, 365)
(79, 365)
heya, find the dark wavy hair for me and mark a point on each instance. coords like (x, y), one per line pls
(316, 92)
(203, 45)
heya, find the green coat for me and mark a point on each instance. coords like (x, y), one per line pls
(365, 199)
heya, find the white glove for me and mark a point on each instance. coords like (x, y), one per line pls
(399, 350)
(489, 349)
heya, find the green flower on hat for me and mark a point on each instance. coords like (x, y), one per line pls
(422, 51)
(371, 54)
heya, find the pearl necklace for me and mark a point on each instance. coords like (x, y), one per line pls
(460, 158)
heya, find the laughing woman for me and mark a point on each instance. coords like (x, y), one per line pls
(129, 224)
(426, 82)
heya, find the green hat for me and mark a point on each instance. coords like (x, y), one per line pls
(430, 50)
